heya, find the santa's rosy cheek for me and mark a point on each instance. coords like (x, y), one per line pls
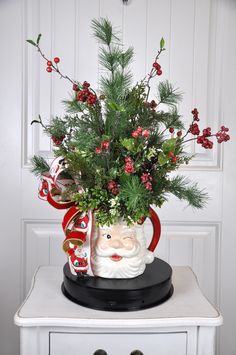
(103, 244)
(129, 243)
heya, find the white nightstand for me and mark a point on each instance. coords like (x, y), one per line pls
(50, 324)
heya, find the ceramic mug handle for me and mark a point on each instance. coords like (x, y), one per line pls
(156, 229)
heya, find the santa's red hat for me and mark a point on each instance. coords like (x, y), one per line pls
(74, 237)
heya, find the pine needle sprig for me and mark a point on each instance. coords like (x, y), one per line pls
(170, 119)
(39, 165)
(126, 57)
(104, 31)
(168, 94)
(182, 188)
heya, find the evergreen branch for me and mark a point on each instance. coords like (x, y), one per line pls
(103, 31)
(182, 188)
(168, 94)
(126, 57)
(39, 165)
(133, 193)
(170, 119)
(110, 59)
(56, 128)
(114, 88)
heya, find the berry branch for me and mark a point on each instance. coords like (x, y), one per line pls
(50, 65)
(156, 68)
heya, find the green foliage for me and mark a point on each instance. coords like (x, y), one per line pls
(56, 128)
(182, 188)
(162, 43)
(168, 94)
(39, 165)
(103, 31)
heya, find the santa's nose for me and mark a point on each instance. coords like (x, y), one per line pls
(116, 243)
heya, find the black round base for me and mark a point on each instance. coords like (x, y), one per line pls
(147, 290)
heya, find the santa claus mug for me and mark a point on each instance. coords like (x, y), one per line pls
(116, 251)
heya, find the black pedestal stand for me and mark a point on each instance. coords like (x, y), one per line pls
(147, 290)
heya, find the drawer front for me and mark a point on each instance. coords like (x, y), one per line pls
(118, 344)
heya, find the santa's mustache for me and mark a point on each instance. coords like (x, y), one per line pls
(118, 251)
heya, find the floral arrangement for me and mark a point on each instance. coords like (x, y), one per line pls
(118, 146)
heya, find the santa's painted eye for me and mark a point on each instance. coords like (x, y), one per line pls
(76, 263)
(107, 236)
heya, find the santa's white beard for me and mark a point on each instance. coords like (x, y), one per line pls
(132, 264)
(103, 266)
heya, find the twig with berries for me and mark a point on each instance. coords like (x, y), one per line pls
(156, 68)
(50, 65)
(203, 139)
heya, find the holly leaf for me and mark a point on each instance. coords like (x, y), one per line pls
(162, 43)
(31, 42)
(162, 158)
(129, 144)
(38, 39)
(114, 106)
(169, 145)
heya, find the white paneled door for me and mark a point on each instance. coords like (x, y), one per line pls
(199, 58)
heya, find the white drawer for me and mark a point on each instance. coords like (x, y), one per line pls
(118, 344)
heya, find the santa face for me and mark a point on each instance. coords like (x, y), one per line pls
(119, 251)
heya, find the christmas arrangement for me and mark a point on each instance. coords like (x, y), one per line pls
(119, 148)
(115, 150)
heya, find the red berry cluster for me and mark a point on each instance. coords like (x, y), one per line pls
(113, 187)
(140, 131)
(205, 142)
(195, 115)
(85, 95)
(222, 135)
(146, 179)
(157, 67)
(57, 140)
(50, 65)
(194, 129)
(104, 146)
(173, 157)
(171, 129)
(129, 165)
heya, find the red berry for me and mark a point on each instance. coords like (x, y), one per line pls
(179, 133)
(56, 60)
(135, 134)
(49, 63)
(75, 87)
(174, 159)
(111, 185)
(49, 69)
(171, 155)
(57, 140)
(139, 129)
(146, 133)
(156, 66)
(148, 185)
(194, 129)
(98, 150)
(171, 130)
(105, 144)
(86, 85)
(159, 72)
(129, 168)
